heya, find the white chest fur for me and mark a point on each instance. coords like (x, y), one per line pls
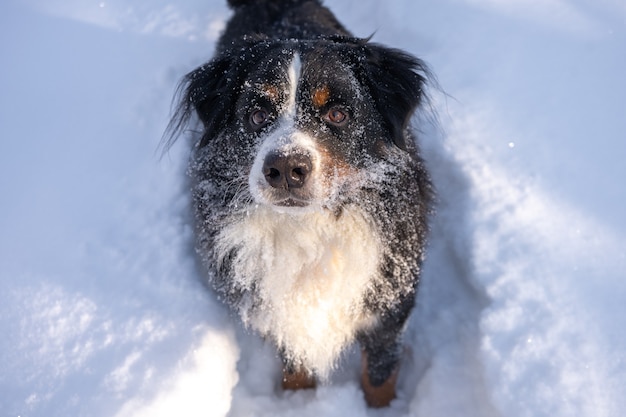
(310, 271)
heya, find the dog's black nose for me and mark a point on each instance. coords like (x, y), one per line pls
(287, 171)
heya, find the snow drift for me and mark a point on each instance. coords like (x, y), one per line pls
(102, 308)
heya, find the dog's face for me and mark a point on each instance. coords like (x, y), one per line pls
(299, 120)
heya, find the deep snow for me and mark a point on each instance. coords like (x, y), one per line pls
(520, 313)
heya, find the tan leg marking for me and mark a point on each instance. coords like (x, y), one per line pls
(298, 380)
(381, 396)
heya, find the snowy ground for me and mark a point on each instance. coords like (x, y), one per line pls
(522, 308)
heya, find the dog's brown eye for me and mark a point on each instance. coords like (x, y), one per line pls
(259, 118)
(336, 116)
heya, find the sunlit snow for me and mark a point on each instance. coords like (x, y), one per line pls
(520, 312)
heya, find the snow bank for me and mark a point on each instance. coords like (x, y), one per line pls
(553, 277)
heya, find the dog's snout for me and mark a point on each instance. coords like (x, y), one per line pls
(287, 171)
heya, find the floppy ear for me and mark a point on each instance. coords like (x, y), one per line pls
(396, 80)
(210, 91)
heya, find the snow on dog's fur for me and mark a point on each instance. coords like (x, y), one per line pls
(311, 198)
(299, 264)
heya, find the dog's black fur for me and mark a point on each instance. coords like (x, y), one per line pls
(353, 103)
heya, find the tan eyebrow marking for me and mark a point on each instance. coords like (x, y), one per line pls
(270, 91)
(320, 96)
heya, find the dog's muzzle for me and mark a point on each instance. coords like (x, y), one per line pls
(288, 172)
(288, 175)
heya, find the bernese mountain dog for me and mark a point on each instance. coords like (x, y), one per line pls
(311, 199)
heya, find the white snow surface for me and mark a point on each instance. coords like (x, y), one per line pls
(522, 306)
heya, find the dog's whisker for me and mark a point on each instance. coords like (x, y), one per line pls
(241, 194)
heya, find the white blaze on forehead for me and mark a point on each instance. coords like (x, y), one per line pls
(294, 72)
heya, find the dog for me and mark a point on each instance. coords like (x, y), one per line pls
(311, 198)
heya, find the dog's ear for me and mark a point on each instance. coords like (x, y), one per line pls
(210, 92)
(396, 81)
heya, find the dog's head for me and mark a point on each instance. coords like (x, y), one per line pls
(303, 117)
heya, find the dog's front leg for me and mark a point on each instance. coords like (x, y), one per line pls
(297, 380)
(296, 377)
(381, 395)
(380, 364)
